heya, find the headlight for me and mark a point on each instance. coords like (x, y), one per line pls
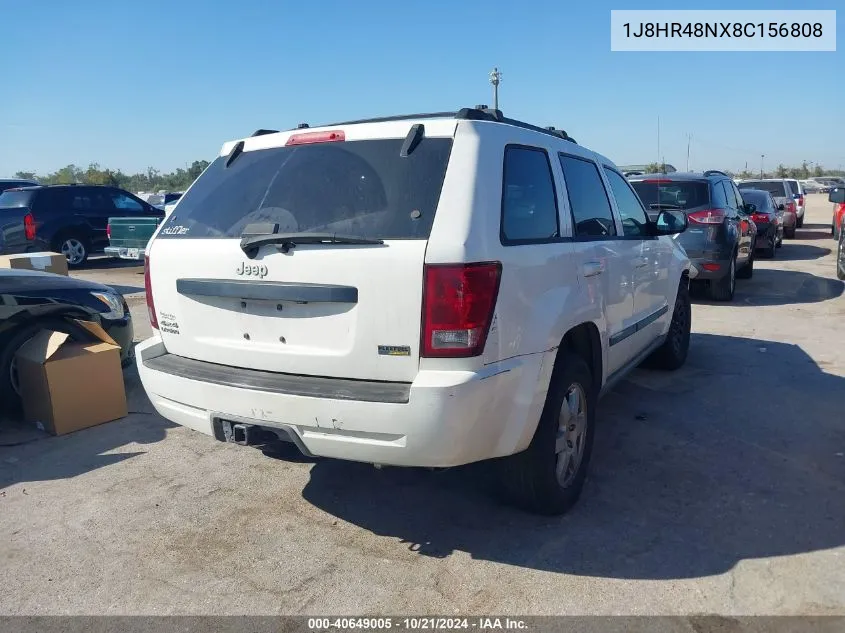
(113, 302)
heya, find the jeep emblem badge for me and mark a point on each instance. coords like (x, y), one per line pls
(251, 270)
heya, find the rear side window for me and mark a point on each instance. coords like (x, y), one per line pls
(661, 193)
(356, 188)
(591, 214)
(718, 198)
(15, 199)
(793, 186)
(529, 201)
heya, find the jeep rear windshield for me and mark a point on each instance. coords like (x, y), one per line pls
(361, 188)
(676, 194)
(15, 199)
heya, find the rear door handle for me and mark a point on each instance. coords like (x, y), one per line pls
(591, 269)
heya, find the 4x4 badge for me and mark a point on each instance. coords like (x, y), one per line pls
(251, 270)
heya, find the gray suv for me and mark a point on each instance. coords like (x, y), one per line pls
(720, 237)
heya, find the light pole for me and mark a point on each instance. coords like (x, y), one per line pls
(495, 79)
(762, 156)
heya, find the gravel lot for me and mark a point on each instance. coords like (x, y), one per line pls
(718, 488)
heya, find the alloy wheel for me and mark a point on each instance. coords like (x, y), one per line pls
(571, 434)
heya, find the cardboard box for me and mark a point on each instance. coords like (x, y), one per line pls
(67, 386)
(45, 262)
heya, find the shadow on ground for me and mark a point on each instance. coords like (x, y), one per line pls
(27, 454)
(692, 472)
(777, 286)
(794, 252)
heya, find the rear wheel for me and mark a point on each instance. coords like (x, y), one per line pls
(789, 233)
(547, 477)
(747, 271)
(673, 353)
(723, 289)
(75, 248)
(800, 222)
(771, 250)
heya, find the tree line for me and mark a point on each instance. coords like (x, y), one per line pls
(150, 180)
(781, 171)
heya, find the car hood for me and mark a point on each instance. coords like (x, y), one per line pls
(11, 280)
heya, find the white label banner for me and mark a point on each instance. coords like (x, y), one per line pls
(710, 30)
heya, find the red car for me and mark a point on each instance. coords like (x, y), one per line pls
(838, 218)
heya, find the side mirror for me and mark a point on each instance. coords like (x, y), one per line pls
(837, 195)
(671, 222)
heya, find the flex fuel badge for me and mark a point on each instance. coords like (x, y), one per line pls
(394, 350)
(167, 323)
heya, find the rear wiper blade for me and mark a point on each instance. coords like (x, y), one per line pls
(251, 243)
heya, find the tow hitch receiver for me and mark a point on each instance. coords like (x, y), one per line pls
(239, 433)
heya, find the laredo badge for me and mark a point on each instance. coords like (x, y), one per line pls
(394, 350)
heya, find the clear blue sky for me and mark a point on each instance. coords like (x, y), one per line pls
(155, 83)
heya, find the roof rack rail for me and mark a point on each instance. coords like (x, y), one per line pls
(715, 172)
(262, 132)
(478, 113)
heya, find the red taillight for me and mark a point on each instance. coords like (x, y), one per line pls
(790, 206)
(708, 216)
(151, 308)
(659, 181)
(800, 201)
(29, 226)
(760, 218)
(711, 267)
(458, 305)
(108, 231)
(306, 138)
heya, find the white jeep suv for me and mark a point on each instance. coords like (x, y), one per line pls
(429, 290)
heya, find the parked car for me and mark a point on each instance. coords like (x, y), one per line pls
(810, 186)
(170, 201)
(838, 219)
(717, 242)
(67, 219)
(797, 191)
(840, 256)
(128, 237)
(32, 300)
(459, 293)
(11, 183)
(767, 218)
(782, 193)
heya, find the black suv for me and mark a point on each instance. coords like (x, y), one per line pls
(720, 238)
(67, 219)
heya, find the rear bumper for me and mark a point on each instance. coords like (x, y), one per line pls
(122, 253)
(448, 418)
(703, 267)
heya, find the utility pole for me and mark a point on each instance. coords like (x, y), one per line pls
(689, 139)
(658, 138)
(495, 79)
(762, 156)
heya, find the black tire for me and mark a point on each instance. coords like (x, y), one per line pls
(840, 258)
(529, 479)
(75, 248)
(800, 222)
(723, 289)
(673, 353)
(789, 233)
(747, 271)
(771, 250)
(10, 345)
